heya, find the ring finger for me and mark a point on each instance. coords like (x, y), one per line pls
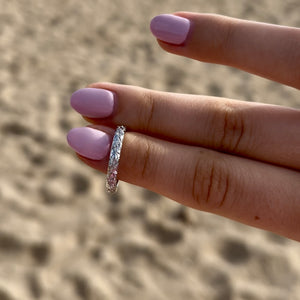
(251, 192)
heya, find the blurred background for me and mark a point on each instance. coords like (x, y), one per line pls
(61, 235)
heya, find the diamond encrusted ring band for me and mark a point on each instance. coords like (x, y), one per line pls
(114, 158)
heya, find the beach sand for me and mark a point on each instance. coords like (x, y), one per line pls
(61, 236)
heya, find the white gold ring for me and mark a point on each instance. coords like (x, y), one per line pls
(114, 158)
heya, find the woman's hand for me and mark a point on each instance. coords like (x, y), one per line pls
(237, 159)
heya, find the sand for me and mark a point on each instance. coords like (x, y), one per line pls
(61, 235)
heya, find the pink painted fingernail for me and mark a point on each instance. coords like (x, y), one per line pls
(93, 103)
(89, 142)
(169, 28)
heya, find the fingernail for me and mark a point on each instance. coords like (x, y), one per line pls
(89, 142)
(169, 28)
(93, 103)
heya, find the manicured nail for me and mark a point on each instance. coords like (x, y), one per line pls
(89, 142)
(169, 28)
(93, 103)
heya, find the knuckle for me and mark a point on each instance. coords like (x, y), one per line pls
(146, 159)
(232, 130)
(211, 186)
(146, 162)
(196, 186)
(138, 160)
(227, 36)
(148, 110)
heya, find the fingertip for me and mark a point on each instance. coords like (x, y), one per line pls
(170, 28)
(93, 102)
(89, 142)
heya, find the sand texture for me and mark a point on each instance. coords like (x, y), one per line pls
(61, 236)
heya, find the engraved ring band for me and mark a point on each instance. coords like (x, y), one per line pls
(114, 158)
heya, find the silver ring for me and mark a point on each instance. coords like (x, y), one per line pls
(114, 158)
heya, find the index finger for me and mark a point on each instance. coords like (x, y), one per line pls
(259, 131)
(266, 50)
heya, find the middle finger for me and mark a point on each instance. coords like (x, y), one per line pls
(263, 132)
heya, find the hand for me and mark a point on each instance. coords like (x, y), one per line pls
(237, 159)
